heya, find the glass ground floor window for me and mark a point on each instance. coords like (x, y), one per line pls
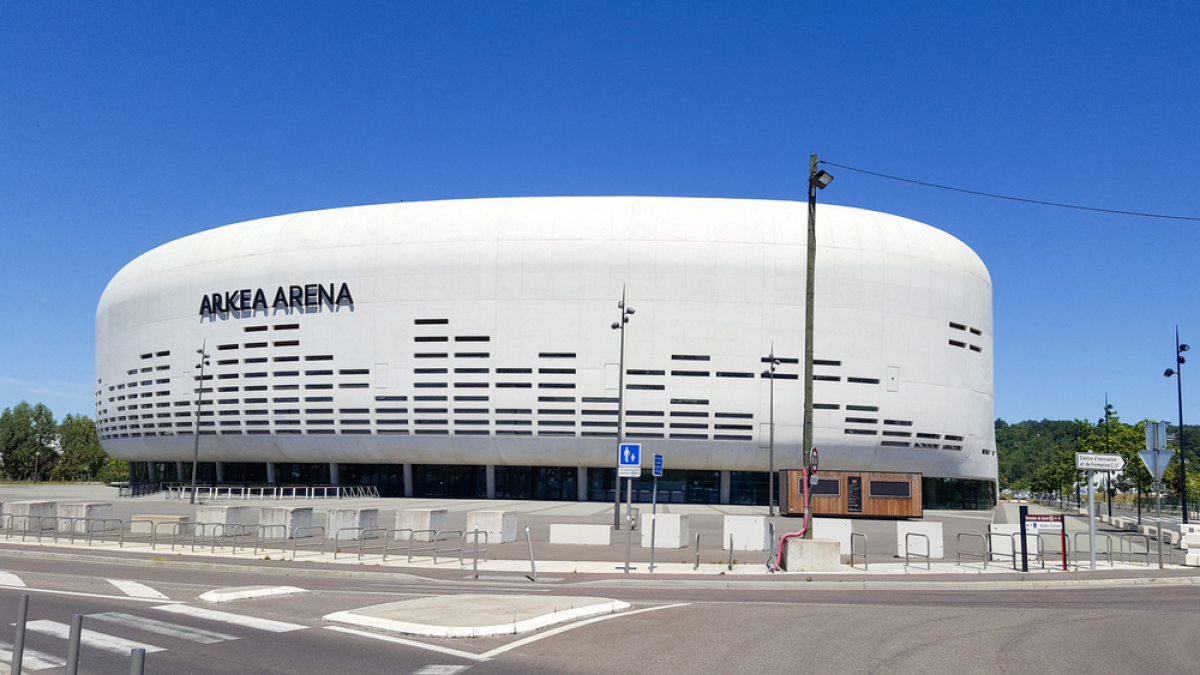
(957, 493)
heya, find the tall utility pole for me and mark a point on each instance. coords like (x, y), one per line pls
(1107, 415)
(816, 180)
(199, 409)
(770, 373)
(620, 325)
(1176, 371)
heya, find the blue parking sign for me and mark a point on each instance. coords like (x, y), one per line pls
(658, 466)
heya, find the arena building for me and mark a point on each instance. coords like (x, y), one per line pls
(464, 348)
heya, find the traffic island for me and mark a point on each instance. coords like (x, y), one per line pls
(475, 615)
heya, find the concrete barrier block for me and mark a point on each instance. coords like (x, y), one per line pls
(1171, 537)
(671, 531)
(1192, 559)
(916, 545)
(145, 523)
(1002, 546)
(291, 517)
(837, 529)
(1190, 541)
(500, 526)
(26, 512)
(89, 511)
(812, 555)
(581, 534)
(750, 533)
(226, 514)
(1189, 528)
(340, 519)
(1148, 530)
(421, 519)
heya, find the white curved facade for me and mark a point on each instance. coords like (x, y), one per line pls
(477, 332)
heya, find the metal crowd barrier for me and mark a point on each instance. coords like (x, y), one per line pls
(1129, 537)
(1079, 551)
(275, 492)
(261, 540)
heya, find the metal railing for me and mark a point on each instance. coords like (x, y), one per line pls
(1080, 551)
(140, 489)
(309, 528)
(218, 492)
(982, 555)
(853, 536)
(928, 551)
(1129, 555)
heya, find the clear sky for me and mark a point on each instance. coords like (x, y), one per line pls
(124, 125)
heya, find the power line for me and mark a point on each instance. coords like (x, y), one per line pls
(1014, 199)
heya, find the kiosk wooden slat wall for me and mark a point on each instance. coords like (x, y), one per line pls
(859, 493)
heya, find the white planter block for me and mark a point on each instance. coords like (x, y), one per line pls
(291, 517)
(227, 515)
(750, 533)
(422, 519)
(837, 529)
(581, 534)
(1189, 528)
(1190, 541)
(1192, 559)
(90, 511)
(671, 532)
(916, 545)
(340, 519)
(811, 555)
(500, 526)
(145, 523)
(26, 513)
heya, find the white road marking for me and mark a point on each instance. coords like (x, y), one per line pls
(235, 619)
(10, 579)
(90, 638)
(440, 670)
(488, 656)
(135, 589)
(409, 643)
(205, 637)
(31, 659)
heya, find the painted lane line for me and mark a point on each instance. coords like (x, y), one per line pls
(10, 579)
(409, 643)
(269, 625)
(90, 638)
(204, 637)
(136, 590)
(562, 629)
(434, 669)
(31, 659)
(95, 596)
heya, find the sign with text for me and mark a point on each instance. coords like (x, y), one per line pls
(1099, 461)
(629, 461)
(658, 466)
(1035, 523)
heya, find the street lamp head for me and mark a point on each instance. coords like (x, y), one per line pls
(821, 179)
(1107, 409)
(616, 325)
(629, 311)
(1183, 348)
(1169, 373)
(1180, 360)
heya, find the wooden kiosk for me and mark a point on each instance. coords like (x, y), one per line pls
(858, 494)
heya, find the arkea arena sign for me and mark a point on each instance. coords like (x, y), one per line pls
(308, 295)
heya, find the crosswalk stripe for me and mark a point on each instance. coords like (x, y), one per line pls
(31, 659)
(10, 579)
(206, 637)
(235, 619)
(136, 590)
(90, 638)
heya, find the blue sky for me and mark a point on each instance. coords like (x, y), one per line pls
(125, 125)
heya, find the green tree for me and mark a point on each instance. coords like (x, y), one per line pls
(28, 440)
(82, 456)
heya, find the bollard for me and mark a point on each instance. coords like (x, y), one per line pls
(697, 565)
(730, 552)
(137, 661)
(475, 563)
(532, 564)
(73, 644)
(18, 652)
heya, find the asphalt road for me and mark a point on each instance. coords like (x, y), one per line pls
(693, 627)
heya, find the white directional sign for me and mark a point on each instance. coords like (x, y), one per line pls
(1099, 461)
(629, 463)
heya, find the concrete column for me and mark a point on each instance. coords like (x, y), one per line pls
(153, 467)
(581, 485)
(271, 472)
(220, 472)
(408, 480)
(726, 486)
(179, 471)
(334, 474)
(490, 471)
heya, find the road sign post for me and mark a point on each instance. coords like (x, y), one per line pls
(1038, 523)
(658, 470)
(629, 466)
(1156, 456)
(1092, 462)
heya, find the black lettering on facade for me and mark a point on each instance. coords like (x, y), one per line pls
(310, 295)
(260, 299)
(280, 299)
(231, 301)
(297, 296)
(324, 296)
(205, 306)
(217, 306)
(244, 299)
(343, 292)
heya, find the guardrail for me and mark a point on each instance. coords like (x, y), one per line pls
(928, 551)
(218, 492)
(141, 489)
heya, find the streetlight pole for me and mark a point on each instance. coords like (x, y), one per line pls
(770, 374)
(199, 409)
(1107, 414)
(1177, 372)
(626, 312)
(817, 180)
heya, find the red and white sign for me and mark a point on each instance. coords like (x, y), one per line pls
(1035, 523)
(812, 460)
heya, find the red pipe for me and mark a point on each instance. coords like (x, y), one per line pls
(803, 528)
